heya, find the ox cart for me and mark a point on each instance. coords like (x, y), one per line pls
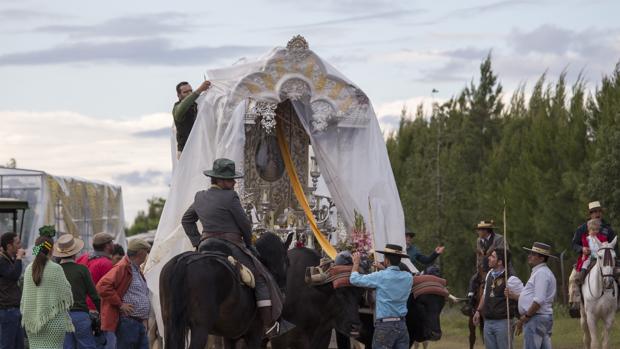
(310, 146)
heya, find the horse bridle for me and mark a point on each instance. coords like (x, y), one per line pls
(608, 261)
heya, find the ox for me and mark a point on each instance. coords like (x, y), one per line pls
(423, 319)
(316, 310)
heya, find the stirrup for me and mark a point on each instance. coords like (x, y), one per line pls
(280, 327)
(273, 330)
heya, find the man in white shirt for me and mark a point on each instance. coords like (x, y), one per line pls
(536, 300)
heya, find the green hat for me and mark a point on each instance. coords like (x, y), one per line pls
(47, 230)
(224, 169)
(138, 244)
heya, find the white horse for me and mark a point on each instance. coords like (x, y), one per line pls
(599, 292)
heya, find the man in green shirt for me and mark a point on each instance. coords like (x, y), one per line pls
(185, 110)
(66, 248)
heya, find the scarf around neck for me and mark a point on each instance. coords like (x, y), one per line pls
(51, 298)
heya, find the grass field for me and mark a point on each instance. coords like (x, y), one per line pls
(567, 333)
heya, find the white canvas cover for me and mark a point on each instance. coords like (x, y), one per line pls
(73, 205)
(338, 117)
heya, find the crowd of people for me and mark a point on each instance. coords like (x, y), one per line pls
(497, 295)
(68, 299)
(101, 300)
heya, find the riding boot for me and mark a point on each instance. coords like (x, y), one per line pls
(574, 304)
(273, 328)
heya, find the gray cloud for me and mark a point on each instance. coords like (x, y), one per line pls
(453, 70)
(551, 39)
(157, 51)
(149, 177)
(459, 66)
(19, 15)
(494, 6)
(145, 25)
(159, 133)
(350, 6)
(467, 53)
(591, 52)
(467, 12)
(352, 19)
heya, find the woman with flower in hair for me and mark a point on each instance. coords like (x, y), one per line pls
(46, 299)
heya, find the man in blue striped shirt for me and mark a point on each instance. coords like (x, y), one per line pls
(393, 287)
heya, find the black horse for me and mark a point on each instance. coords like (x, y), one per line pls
(201, 293)
(316, 310)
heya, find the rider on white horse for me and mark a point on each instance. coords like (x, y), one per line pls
(591, 244)
(599, 296)
(580, 245)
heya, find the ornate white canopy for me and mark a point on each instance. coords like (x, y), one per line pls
(297, 73)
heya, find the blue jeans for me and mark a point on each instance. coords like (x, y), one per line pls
(390, 335)
(11, 332)
(107, 340)
(83, 337)
(537, 332)
(496, 334)
(131, 334)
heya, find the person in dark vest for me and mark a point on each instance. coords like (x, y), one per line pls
(185, 110)
(223, 218)
(492, 306)
(11, 333)
(487, 242)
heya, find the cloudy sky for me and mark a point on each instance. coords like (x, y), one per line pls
(86, 90)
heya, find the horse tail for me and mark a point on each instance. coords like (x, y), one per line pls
(174, 303)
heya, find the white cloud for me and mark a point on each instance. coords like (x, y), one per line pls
(71, 144)
(389, 113)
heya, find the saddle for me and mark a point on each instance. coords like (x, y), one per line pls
(327, 272)
(338, 275)
(244, 274)
(429, 284)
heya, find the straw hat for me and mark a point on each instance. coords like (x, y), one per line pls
(394, 250)
(594, 205)
(541, 248)
(67, 246)
(485, 225)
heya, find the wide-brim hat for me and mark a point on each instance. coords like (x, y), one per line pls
(485, 225)
(595, 205)
(409, 232)
(223, 169)
(541, 248)
(67, 246)
(393, 250)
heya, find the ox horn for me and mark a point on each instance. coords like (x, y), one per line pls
(454, 299)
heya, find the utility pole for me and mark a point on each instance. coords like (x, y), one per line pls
(437, 174)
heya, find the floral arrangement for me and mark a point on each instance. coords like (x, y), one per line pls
(359, 239)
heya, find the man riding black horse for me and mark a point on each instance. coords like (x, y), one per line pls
(223, 218)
